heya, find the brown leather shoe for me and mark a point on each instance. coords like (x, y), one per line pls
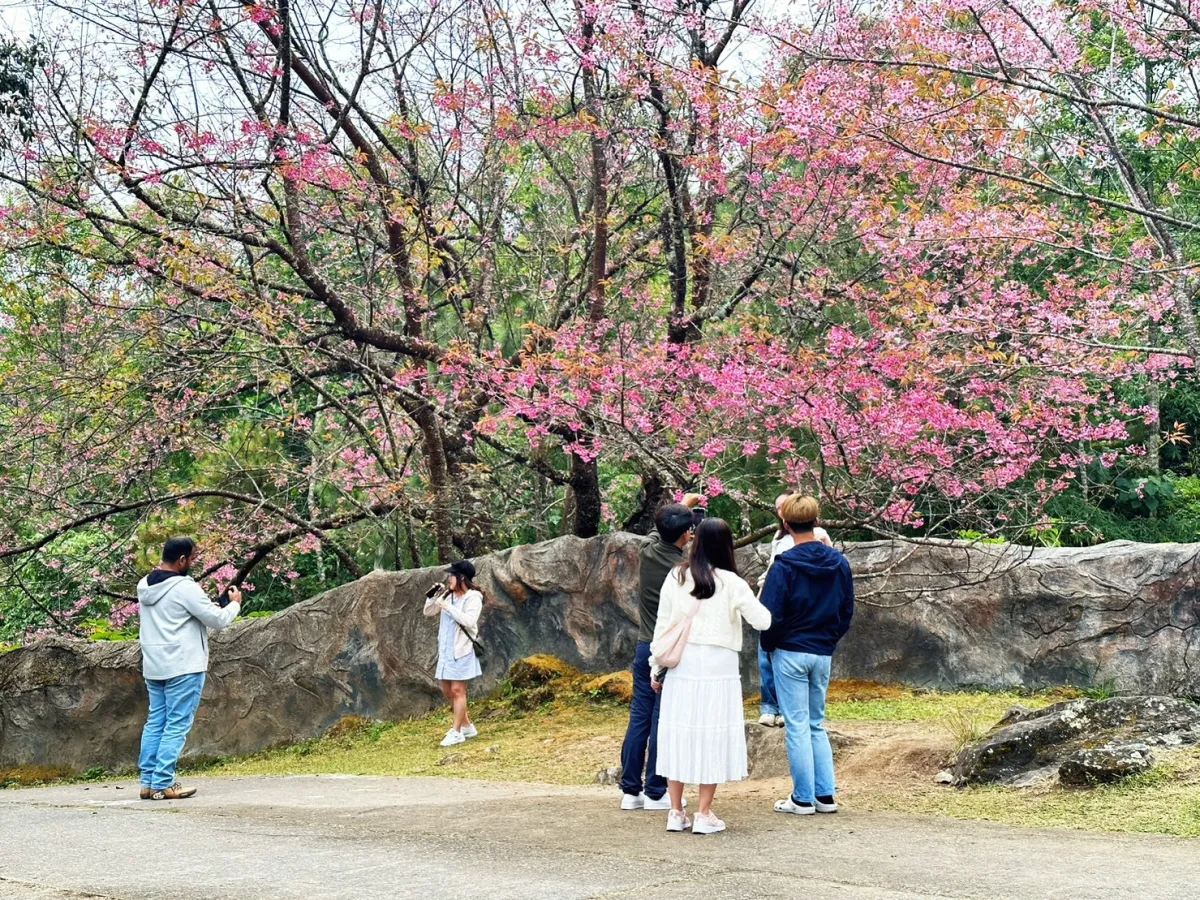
(175, 792)
(147, 794)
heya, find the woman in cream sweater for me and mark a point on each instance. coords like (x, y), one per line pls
(701, 730)
(459, 606)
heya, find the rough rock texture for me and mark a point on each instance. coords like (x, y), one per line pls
(938, 615)
(1037, 745)
(1112, 762)
(953, 614)
(766, 749)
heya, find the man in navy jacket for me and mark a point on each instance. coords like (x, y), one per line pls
(810, 593)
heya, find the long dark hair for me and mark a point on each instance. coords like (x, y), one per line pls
(712, 549)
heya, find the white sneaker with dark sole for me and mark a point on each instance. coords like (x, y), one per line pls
(791, 807)
(827, 807)
(709, 824)
(779, 723)
(678, 821)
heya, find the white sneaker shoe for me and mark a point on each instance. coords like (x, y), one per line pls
(709, 824)
(641, 801)
(470, 731)
(453, 738)
(827, 807)
(767, 719)
(662, 803)
(791, 807)
(678, 821)
(779, 723)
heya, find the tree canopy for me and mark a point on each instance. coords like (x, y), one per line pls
(334, 285)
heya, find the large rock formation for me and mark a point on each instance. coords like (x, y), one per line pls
(953, 614)
(1080, 741)
(940, 615)
(361, 649)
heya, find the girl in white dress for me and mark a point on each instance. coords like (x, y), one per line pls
(459, 606)
(701, 728)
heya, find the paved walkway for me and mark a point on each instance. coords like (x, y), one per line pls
(365, 838)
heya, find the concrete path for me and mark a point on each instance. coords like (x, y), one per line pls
(365, 838)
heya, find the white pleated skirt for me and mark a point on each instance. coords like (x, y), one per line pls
(701, 724)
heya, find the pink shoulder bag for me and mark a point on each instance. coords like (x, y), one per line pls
(676, 640)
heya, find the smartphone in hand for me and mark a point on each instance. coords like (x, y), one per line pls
(223, 600)
(433, 592)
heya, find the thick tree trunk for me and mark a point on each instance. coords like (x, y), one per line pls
(654, 494)
(439, 481)
(585, 490)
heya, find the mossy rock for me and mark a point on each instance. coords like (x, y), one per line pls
(617, 686)
(348, 727)
(533, 671)
(29, 775)
(533, 698)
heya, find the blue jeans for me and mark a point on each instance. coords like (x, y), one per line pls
(769, 705)
(173, 704)
(642, 731)
(801, 681)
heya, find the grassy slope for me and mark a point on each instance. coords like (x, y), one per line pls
(564, 742)
(570, 739)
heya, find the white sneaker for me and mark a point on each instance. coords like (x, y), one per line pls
(678, 821)
(709, 824)
(633, 801)
(779, 723)
(470, 731)
(453, 738)
(767, 719)
(791, 807)
(827, 807)
(662, 803)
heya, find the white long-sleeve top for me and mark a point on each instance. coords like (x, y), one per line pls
(465, 611)
(783, 545)
(718, 621)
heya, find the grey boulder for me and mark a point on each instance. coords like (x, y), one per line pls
(1100, 765)
(1029, 749)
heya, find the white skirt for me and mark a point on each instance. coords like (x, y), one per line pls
(701, 725)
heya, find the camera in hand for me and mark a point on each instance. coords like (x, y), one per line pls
(223, 600)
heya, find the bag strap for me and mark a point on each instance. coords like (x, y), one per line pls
(478, 647)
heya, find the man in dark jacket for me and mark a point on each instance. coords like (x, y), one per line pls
(664, 551)
(810, 593)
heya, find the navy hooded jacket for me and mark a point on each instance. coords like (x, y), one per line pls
(810, 594)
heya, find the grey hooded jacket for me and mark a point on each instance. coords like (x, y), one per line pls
(173, 626)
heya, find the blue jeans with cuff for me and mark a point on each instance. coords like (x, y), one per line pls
(173, 704)
(801, 682)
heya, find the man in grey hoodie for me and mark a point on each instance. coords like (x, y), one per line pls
(174, 620)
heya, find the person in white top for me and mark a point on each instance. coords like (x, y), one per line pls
(768, 709)
(459, 604)
(701, 727)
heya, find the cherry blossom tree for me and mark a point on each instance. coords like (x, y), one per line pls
(312, 279)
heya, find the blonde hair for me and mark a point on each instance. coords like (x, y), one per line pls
(800, 513)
